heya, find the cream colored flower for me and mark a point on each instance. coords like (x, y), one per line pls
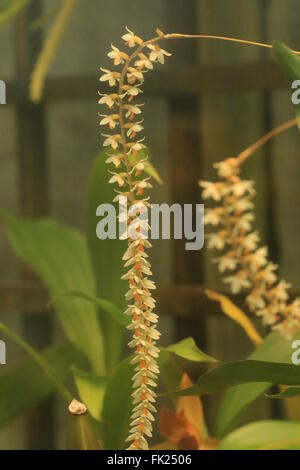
(243, 187)
(110, 120)
(250, 241)
(109, 100)
(244, 222)
(227, 262)
(213, 216)
(241, 205)
(131, 39)
(111, 77)
(227, 168)
(213, 191)
(132, 110)
(135, 147)
(133, 129)
(157, 54)
(238, 282)
(119, 178)
(217, 240)
(112, 141)
(143, 62)
(117, 56)
(279, 292)
(115, 159)
(255, 300)
(134, 74)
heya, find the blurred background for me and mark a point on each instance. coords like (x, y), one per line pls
(210, 101)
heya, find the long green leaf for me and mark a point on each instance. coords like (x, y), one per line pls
(242, 372)
(40, 361)
(290, 63)
(104, 304)
(264, 435)
(236, 400)
(117, 406)
(187, 349)
(91, 389)
(24, 385)
(59, 256)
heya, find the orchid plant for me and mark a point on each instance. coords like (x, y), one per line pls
(122, 415)
(235, 216)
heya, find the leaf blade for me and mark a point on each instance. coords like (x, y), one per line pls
(59, 256)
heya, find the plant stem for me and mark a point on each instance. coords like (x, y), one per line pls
(266, 138)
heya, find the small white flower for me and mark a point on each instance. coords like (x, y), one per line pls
(111, 77)
(280, 291)
(133, 129)
(238, 282)
(117, 56)
(131, 90)
(217, 240)
(244, 222)
(227, 262)
(134, 74)
(141, 185)
(143, 62)
(157, 54)
(132, 110)
(118, 178)
(131, 39)
(135, 147)
(110, 120)
(242, 204)
(259, 258)
(255, 300)
(269, 315)
(294, 308)
(116, 160)
(267, 274)
(242, 187)
(213, 216)
(109, 100)
(112, 140)
(227, 168)
(250, 241)
(213, 191)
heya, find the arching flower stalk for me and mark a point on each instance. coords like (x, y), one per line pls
(246, 262)
(125, 122)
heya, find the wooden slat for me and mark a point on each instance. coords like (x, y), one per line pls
(33, 202)
(188, 80)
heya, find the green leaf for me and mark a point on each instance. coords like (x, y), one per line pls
(40, 361)
(82, 434)
(187, 349)
(290, 63)
(289, 392)
(241, 372)
(9, 9)
(59, 256)
(104, 304)
(23, 386)
(264, 435)
(236, 400)
(91, 389)
(117, 406)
